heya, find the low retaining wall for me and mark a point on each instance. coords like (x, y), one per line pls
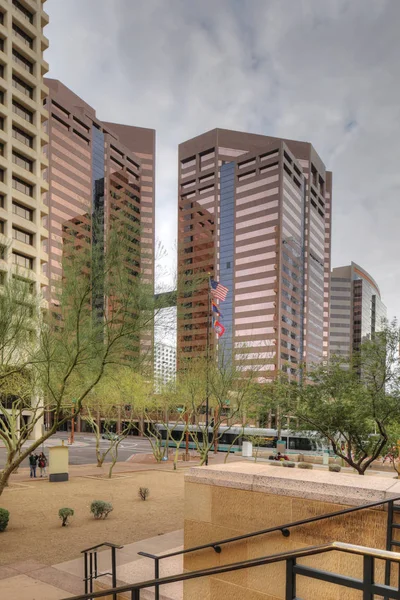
(222, 501)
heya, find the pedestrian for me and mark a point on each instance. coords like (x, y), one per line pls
(42, 462)
(33, 463)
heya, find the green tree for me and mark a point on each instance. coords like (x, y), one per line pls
(101, 313)
(229, 388)
(354, 404)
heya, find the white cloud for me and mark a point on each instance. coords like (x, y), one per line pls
(325, 72)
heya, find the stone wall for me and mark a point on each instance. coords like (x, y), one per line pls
(222, 501)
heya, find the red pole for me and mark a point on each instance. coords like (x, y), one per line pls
(73, 425)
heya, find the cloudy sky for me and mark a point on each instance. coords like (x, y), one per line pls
(327, 72)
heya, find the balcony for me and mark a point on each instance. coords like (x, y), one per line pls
(44, 18)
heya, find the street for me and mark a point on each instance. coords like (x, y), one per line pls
(83, 451)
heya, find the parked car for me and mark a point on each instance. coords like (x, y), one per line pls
(110, 436)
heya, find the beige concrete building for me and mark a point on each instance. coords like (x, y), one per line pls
(23, 160)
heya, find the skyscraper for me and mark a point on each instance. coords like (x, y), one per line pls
(255, 213)
(357, 310)
(94, 169)
(23, 163)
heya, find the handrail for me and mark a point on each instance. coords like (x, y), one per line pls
(291, 555)
(284, 529)
(108, 544)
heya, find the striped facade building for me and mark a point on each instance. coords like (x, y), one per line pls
(255, 213)
(357, 310)
(95, 169)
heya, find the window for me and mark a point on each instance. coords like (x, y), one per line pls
(2, 71)
(23, 137)
(59, 120)
(81, 136)
(1, 97)
(2, 44)
(1, 201)
(23, 112)
(1, 149)
(21, 35)
(22, 261)
(85, 127)
(21, 60)
(23, 11)
(21, 86)
(22, 161)
(1, 226)
(1, 18)
(1, 174)
(22, 236)
(22, 186)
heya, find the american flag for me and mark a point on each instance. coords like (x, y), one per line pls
(218, 290)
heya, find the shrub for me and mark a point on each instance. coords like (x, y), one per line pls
(64, 514)
(288, 463)
(335, 468)
(304, 465)
(275, 463)
(101, 509)
(4, 517)
(144, 493)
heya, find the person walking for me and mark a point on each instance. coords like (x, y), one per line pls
(42, 462)
(33, 459)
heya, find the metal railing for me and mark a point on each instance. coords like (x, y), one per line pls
(285, 530)
(91, 569)
(367, 584)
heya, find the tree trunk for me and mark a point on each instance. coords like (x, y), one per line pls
(4, 477)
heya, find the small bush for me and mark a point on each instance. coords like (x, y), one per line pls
(4, 517)
(101, 509)
(144, 493)
(335, 468)
(275, 463)
(304, 465)
(288, 463)
(65, 514)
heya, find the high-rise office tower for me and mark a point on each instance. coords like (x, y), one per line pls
(23, 163)
(255, 213)
(357, 310)
(95, 169)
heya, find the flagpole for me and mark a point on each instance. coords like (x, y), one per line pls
(208, 360)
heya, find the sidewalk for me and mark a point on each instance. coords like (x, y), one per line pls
(32, 580)
(137, 462)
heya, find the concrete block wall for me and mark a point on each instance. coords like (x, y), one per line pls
(222, 501)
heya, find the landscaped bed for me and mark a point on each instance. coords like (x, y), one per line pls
(34, 530)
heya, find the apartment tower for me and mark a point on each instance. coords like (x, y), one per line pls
(357, 310)
(95, 168)
(23, 160)
(255, 213)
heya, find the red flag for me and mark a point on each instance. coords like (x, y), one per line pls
(219, 329)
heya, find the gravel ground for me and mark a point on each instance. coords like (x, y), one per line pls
(35, 532)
